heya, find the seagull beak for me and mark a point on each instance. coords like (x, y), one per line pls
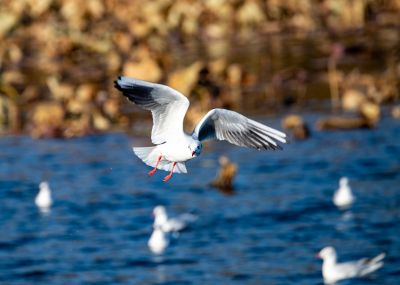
(317, 255)
(193, 153)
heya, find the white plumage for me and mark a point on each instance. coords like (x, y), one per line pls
(162, 221)
(158, 241)
(333, 271)
(149, 156)
(173, 146)
(43, 199)
(343, 196)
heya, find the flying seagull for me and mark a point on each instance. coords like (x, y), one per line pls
(173, 145)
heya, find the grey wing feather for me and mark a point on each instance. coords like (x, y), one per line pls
(221, 124)
(167, 105)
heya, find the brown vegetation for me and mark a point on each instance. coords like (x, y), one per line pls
(225, 176)
(296, 125)
(58, 58)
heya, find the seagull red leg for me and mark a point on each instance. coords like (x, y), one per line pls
(166, 178)
(155, 168)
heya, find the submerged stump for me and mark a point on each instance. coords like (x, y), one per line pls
(225, 176)
(296, 125)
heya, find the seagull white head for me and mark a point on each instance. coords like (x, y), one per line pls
(344, 181)
(160, 216)
(159, 211)
(327, 254)
(195, 148)
(44, 186)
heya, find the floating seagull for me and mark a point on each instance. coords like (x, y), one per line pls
(158, 241)
(173, 146)
(332, 271)
(177, 224)
(43, 198)
(343, 196)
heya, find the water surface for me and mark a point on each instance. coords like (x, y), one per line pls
(267, 232)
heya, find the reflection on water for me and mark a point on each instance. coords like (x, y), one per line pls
(268, 232)
(346, 221)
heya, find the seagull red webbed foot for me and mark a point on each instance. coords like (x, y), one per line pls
(166, 178)
(155, 168)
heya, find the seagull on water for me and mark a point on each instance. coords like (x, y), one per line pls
(333, 271)
(343, 196)
(158, 241)
(173, 146)
(43, 199)
(176, 224)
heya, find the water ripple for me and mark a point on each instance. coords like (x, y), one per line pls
(266, 232)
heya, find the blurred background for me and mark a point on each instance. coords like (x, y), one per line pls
(58, 59)
(327, 72)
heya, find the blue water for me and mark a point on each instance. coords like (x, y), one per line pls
(267, 232)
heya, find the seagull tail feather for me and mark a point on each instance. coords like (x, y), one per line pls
(371, 268)
(374, 264)
(147, 154)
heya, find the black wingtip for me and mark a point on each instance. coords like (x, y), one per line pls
(117, 85)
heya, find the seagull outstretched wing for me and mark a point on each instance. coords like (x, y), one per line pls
(167, 105)
(222, 124)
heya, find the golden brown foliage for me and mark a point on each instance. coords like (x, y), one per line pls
(66, 53)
